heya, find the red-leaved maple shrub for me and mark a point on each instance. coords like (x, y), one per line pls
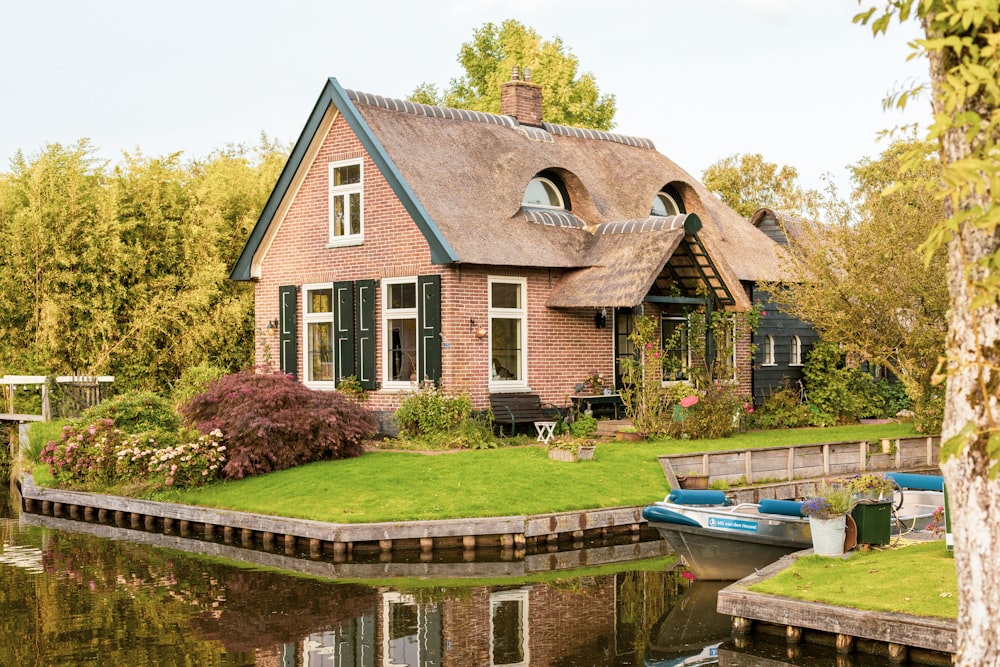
(269, 421)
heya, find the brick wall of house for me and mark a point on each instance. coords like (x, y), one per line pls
(564, 346)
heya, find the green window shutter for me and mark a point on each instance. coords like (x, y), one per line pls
(288, 349)
(429, 327)
(364, 301)
(343, 329)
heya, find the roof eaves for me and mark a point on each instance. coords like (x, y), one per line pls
(333, 93)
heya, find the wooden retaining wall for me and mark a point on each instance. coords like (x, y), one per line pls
(895, 635)
(511, 535)
(529, 564)
(780, 466)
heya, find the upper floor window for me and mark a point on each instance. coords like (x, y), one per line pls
(664, 205)
(544, 193)
(795, 356)
(346, 205)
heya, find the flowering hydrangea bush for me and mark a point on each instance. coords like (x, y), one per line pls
(184, 465)
(98, 455)
(85, 454)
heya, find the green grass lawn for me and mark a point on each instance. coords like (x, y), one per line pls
(406, 486)
(918, 579)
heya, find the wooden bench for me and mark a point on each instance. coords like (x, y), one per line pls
(517, 410)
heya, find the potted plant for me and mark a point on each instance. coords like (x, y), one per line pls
(569, 448)
(693, 480)
(870, 486)
(629, 433)
(827, 511)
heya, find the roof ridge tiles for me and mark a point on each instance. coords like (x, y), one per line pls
(538, 134)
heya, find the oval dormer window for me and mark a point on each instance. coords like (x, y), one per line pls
(543, 193)
(664, 206)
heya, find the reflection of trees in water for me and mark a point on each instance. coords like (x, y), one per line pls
(168, 601)
(121, 603)
(643, 597)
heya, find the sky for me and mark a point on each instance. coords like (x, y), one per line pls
(792, 80)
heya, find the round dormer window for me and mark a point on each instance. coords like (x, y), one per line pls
(664, 206)
(542, 193)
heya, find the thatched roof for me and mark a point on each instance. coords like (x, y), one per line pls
(462, 175)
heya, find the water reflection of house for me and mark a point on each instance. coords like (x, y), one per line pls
(591, 620)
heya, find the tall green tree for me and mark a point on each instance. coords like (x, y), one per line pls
(961, 45)
(124, 271)
(747, 183)
(864, 283)
(568, 97)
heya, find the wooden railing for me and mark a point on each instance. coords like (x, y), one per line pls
(802, 462)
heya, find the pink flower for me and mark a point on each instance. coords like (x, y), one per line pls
(763, 313)
(688, 401)
(687, 575)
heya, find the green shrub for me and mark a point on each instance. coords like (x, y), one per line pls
(351, 387)
(781, 409)
(193, 381)
(430, 411)
(837, 394)
(136, 412)
(893, 396)
(583, 426)
(715, 414)
(928, 412)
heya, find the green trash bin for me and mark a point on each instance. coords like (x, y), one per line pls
(874, 519)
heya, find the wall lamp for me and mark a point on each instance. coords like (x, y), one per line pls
(601, 318)
(272, 326)
(480, 331)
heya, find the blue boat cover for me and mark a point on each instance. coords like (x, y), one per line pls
(784, 507)
(909, 480)
(663, 515)
(697, 497)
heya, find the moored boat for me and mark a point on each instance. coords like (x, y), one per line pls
(722, 540)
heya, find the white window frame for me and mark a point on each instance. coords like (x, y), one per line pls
(795, 352)
(345, 191)
(497, 385)
(668, 197)
(388, 600)
(313, 318)
(549, 185)
(686, 319)
(520, 596)
(768, 349)
(398, 314)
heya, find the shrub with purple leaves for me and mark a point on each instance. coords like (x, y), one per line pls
(272, 422)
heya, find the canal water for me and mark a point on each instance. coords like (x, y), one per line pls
(69, 596)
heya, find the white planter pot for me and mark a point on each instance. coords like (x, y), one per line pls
(828, 535)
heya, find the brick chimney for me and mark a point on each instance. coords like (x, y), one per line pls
(521, 99)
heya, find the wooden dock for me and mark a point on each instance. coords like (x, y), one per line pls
(899, 637)
(511, 534)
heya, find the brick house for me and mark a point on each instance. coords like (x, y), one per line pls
(489, 253)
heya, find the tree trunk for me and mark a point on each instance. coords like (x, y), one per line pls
(973, 357)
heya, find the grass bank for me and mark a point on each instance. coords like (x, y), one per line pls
(917, 579)
(407, 486)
